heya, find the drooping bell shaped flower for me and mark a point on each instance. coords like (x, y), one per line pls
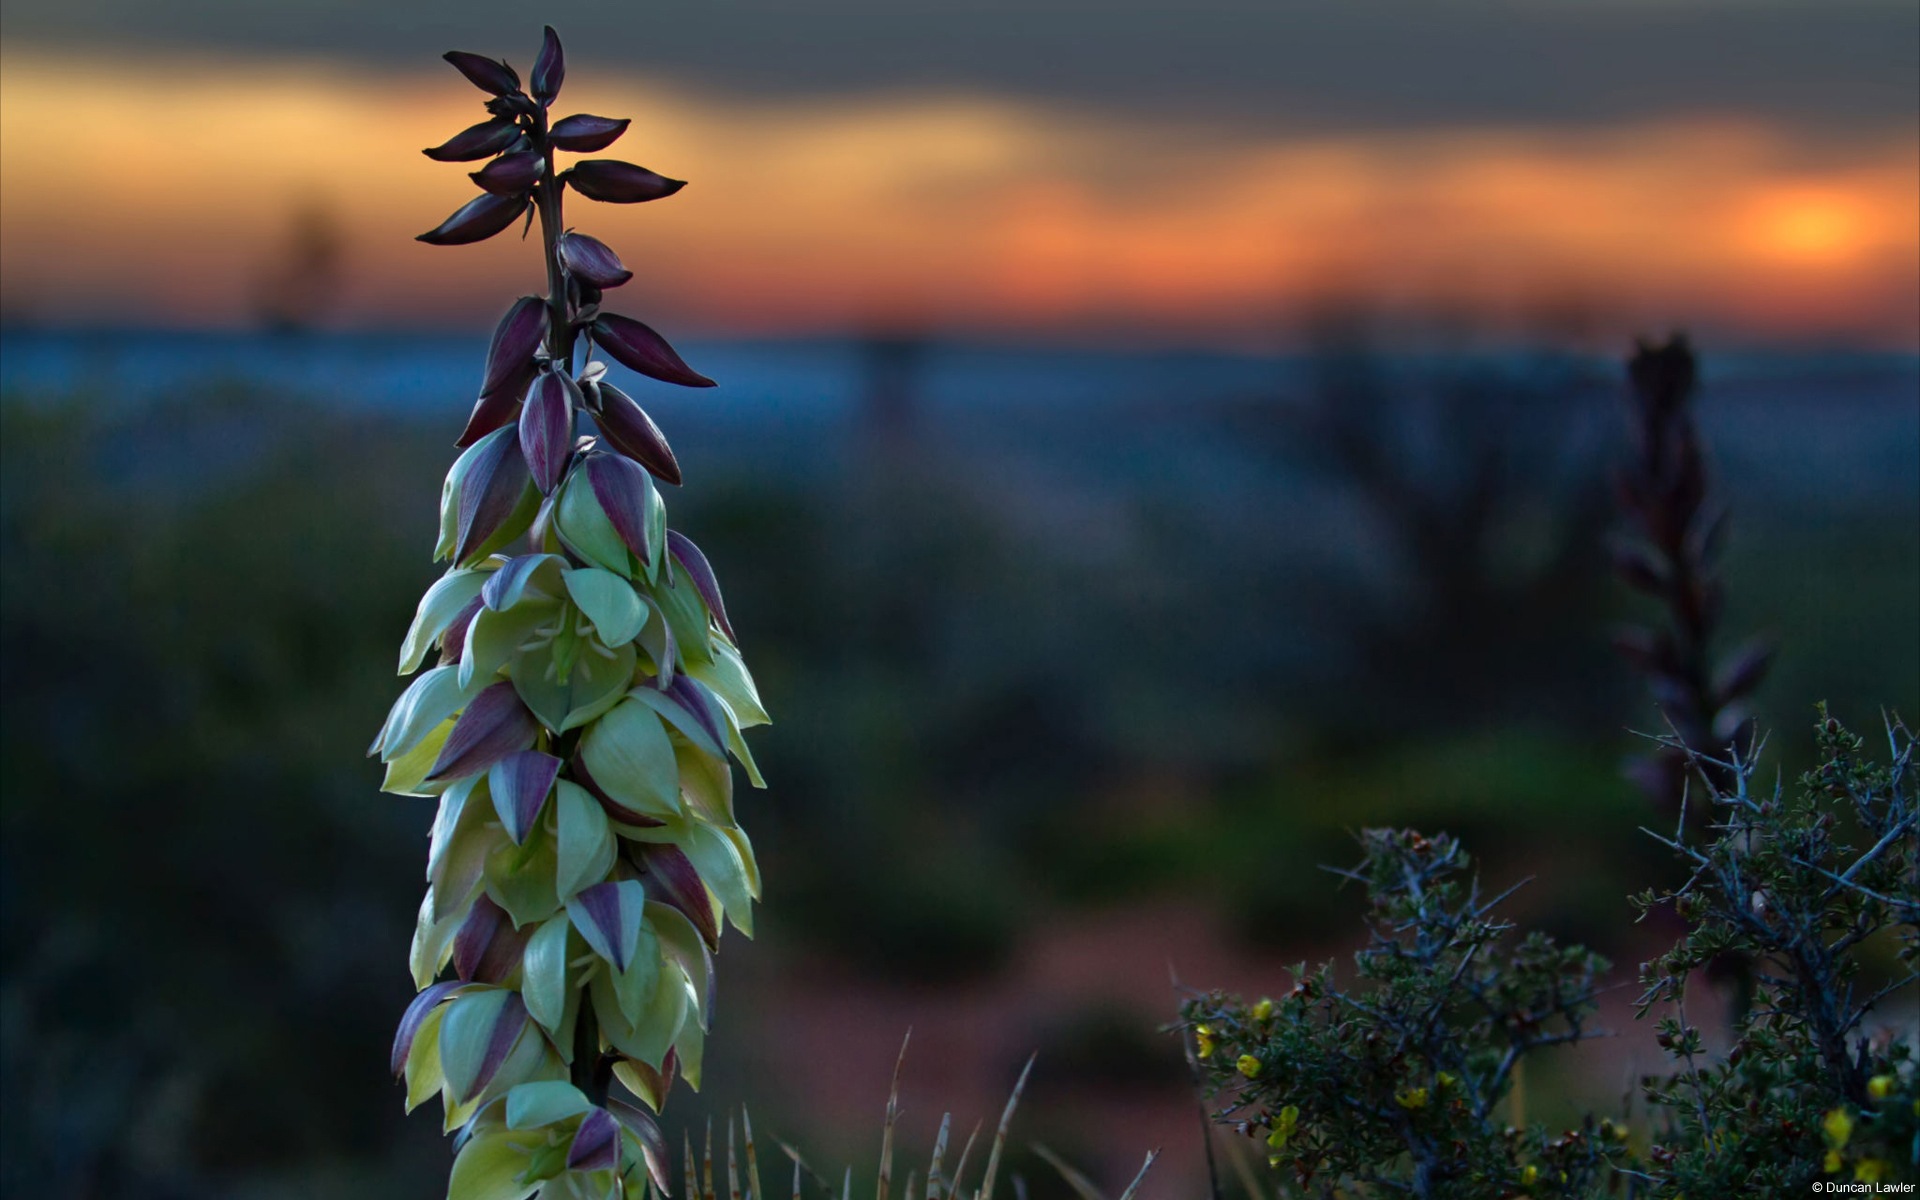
(479, 141)
(617, 182)
(586, 133)
(637, 347)
(476, 220)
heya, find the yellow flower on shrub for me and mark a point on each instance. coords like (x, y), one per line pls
(1248, 1065)
(1838, 1126)
(1203, 1041)
(1411, 1099)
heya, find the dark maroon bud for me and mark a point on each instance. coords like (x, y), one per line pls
(479, 219)
(511, 174)
(488, 137)
(632, 432)
(416, 1016)
(489, 75)
(596, 1145)
(584, 133)
(489, 494)
(549, 69)
(493, 410)
(515, 338)
(546, 427)
(493, 726)
(672, 879)
(639, 348)
(618, 182)
(593, 260)
(700, 571)
(622, 490)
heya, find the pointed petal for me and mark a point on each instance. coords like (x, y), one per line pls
(476, 142)
(653, 1143)
(520, 784)
(489, 75)
(505, 587)
(638, 347)
(596, 1146)
(546, 427)
(629, 429)
(578, 772)
(616, 182)
(585, 133)
(673, 880)
(700, 571)
(515, 338)
(477, 220)
(610, 916)
(494, 409)
(511, 174)
(593, 260)
(490, 492)
(411, 1020)
(625, 493)
(495, 725)
(550, 68)
(486, 948)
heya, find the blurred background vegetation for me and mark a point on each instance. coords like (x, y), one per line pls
(1066, 692)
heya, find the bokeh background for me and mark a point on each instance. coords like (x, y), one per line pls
(1154, 440)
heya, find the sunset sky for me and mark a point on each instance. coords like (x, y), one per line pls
(1206, 173)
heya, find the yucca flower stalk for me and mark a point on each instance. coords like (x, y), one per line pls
(577, 726)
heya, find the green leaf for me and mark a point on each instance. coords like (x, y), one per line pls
(718, 861)
(585, 529)
(449, 594)
(432, 942)
(531, 1105)
(407, 774)
(738, 744)
(465, 1033)
(544, 972)
(596, 685)
(609, 602)
(657, 640)
(521, 878)
(428, 700)
(649, 1038)
(458, 869)
(423, 1074)
(727, 675)
(495, 637)
(630, 757)
(686, 615)
(490, 1166)
(633, 988)
(675, 714)
(586, 846)
(691, 1047)
(744, 848)
(682, 945)
(706, 781)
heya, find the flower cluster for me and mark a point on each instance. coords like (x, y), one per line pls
(577, 726)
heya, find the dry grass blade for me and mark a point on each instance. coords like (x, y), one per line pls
(960, 1167)
(1134, 1187)
(913, 1180)
(1081, 1185)
(796, 1179)
(686, 1161)
(885, 1185)
(939, 1152)
(846, 1185)
(733, 1173)
(753, 1159)
(1000, 1134)
(801, 1164)
(706, 1165)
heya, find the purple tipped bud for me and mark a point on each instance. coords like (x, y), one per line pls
(453, 642)
(415, 1016)
(476, 221)
(546, 428)
(672, 879)
(507, 1028)
(700, 571)
(493, 410)
(593, 260)
(489, 494)
(487, 947)
(549, 69)
(631, 431)
(596, 1145)
(493, 726)
(520, 784)
(511, 174)
(515, 339)
(639, 348)
(488, 137)
(584, 133)
(618, 182)
(624, 493)
(489, 75)
(639, 1123)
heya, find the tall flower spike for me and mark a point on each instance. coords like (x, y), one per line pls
(579, 727)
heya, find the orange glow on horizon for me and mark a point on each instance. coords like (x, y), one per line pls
(162, 192)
